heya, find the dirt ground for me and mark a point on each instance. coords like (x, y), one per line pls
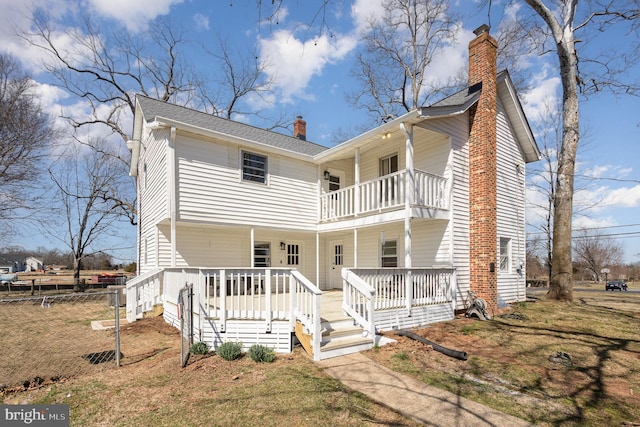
(508, 367)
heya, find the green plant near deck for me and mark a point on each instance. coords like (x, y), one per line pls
(260, 353)
(199, 348)
(230, 350)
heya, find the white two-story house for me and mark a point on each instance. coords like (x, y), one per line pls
(390, 229)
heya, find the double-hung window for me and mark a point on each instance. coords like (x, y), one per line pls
(505, 255)
(262, 255)
(254, 167)
(390, 253)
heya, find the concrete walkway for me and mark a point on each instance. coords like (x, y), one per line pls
(412, 398)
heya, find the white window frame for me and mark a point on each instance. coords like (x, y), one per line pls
(391, 257)
(247, 175)
(294, 254)
(505, 255)
(267, 257)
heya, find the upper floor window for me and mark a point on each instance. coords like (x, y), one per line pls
(505, 255)
(254, 167)
(388, 165)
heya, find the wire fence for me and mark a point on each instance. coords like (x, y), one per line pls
(48, 338)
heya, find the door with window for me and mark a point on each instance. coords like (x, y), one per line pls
(336, 258)
(388, 165)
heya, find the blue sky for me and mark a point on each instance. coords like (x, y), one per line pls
(311, 73)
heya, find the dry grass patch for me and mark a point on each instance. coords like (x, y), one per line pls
(151, 389)
(509, 366)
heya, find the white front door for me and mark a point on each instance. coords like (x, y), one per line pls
(336, 258)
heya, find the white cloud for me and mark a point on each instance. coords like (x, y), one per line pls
(202, 21)
(291, 62)
(592, 223)
(543, 95)
(363, 11)
(134, 15)
(627, 197)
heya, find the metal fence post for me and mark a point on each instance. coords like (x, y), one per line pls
(117, 325)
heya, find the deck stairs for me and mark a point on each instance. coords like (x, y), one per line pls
(340, 334)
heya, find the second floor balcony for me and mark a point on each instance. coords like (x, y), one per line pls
(386, 193)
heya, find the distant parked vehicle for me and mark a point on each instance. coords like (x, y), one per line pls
(616, 286)
(8, 278)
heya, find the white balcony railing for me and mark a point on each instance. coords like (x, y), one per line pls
(384, 193)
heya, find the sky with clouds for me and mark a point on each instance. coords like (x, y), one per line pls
(308, 52)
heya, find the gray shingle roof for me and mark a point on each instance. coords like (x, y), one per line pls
(152, 109)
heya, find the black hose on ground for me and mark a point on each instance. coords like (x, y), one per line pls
(460, 355)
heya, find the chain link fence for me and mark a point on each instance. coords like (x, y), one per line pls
(48, 338)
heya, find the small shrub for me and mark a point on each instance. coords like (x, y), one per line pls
(260, 353)
(199, 348)
(230, 350)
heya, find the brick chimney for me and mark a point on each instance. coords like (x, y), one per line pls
(483, 235)
(300, 129)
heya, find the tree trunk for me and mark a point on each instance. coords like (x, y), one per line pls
(561, 280)
(78, 284)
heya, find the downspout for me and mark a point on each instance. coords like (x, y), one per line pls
(356, 204)
(317, 259)
(173, 202)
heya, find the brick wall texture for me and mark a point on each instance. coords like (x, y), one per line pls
(483, 171)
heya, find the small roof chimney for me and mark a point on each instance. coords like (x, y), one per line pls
(300, 129)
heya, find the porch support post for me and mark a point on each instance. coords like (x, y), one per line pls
(409, 201)
(317, 259)
(355, 248)
(410, 193)
(356, 202)
(252, 240)
(267, 296)
(173, 202)
(223, 300)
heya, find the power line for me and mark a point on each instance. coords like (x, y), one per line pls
(596, 228)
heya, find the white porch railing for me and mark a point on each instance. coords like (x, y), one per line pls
(257, 294)
(358, 301)
(143, 293)
(386, 192)
(369, 291)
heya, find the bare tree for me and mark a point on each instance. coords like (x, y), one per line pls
(394, 72)
(26, 132)
(595, 252)
(586, 75)
(88, 184)
(240, 76)
(108, 67)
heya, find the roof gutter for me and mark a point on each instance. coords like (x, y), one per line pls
(162, 122)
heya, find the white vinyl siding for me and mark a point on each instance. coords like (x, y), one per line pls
(510, 210)
(208, 188)
(458, 228)
(153, 193)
